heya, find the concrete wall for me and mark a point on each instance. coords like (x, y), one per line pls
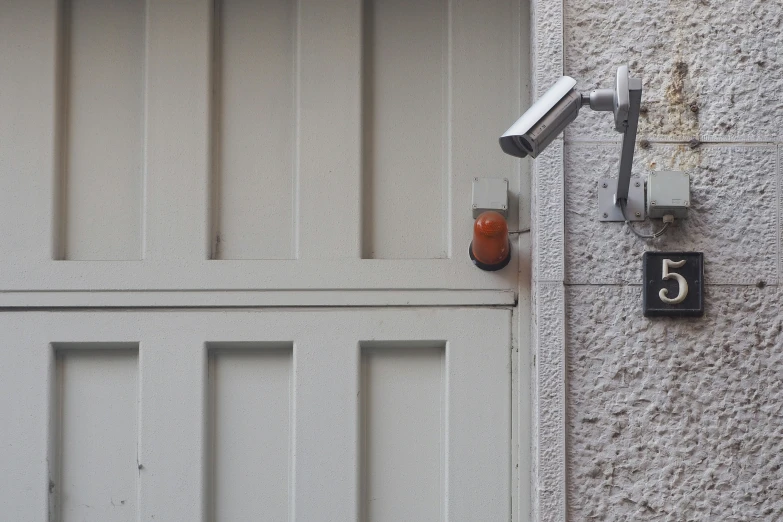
(662, 419)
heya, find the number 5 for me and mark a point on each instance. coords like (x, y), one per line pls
(683, 284)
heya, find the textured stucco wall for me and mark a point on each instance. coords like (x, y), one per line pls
(663, 419)
(671, 419)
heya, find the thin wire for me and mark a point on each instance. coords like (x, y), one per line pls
(642, 236)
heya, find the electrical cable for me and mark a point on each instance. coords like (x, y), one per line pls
(654, 235)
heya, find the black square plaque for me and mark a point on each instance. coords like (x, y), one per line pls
(673, 284)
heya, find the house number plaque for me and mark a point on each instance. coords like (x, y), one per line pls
(673, 284)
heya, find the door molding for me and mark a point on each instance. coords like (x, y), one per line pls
(254, 298)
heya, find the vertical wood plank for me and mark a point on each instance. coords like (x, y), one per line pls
(26, 383)
(172, 371)
(326, 432)
(478, 374)
(102, 115)
(28, 61)
(177, 175)
(254, 129)
(329, 142)
(485, 66)
(405, 117)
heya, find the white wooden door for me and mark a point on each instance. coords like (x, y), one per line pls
(254, 146)
(377, 415)
(234, 281)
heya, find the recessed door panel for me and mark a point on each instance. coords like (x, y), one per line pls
(257, 415)
(249, 431)
(403, 388)
(96, 397)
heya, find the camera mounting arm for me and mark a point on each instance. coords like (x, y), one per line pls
(624, 101)
(629, 139)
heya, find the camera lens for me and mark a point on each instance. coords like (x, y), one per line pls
(524, 143)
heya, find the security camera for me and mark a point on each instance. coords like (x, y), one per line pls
(559, 106)
(542, 122)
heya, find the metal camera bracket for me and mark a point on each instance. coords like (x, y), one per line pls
(624, 101)
(609, 210)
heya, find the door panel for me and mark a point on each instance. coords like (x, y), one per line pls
(254, 124)
(249, 429)
(403, 389)
(101, 129)
(256, 415)
(227, 145)
(405, 123)
(97, 417)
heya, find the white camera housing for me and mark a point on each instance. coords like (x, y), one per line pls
(542, 122)
(559, 106)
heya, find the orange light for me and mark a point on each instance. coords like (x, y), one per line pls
(490, 249)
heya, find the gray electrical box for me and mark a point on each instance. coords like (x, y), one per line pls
(490, 194)
(668, 193)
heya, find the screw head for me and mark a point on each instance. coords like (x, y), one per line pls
(503, 207)
(475, 179)
(652, 202)
(687, 203)
(638, 214)
(605, 185)
(606, 215)
(637, 184)
(475, 206)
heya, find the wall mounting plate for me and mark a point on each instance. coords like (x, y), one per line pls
(608, 211)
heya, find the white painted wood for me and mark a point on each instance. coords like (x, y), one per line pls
(191, 83)
(329, 129)
(326, 457)
(250, 431)
(28, 91)
(324, 274)
(27, 377)
(406, 119)
(97, 396)
(172, 434)
(478, 380)
(102, 128)
(485, 66)
(176, 202)
(403, 410)
(175, 217)
(259, 298)
(254, 129)
(326, 434)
